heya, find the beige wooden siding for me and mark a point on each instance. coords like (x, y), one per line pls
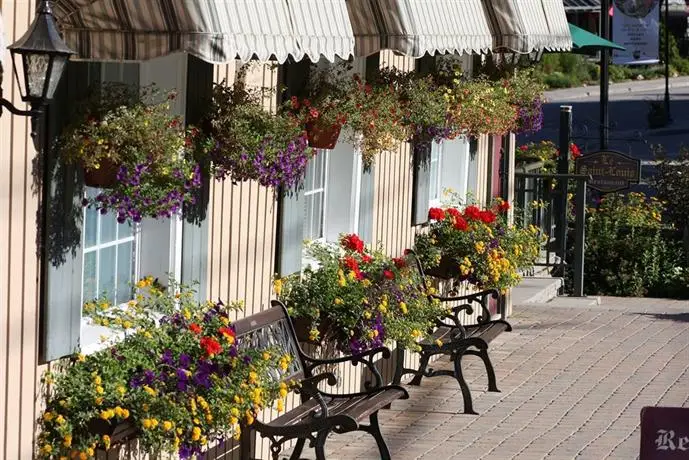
(18, 260)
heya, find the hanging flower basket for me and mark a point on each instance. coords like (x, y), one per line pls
(103, 177)
(321, 136)
(447, 269)
(302, 328)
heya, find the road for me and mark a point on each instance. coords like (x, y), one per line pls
(628, 108)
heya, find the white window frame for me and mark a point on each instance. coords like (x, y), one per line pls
(158, 243)
(323, 190)
(451, 173)
(435, 183)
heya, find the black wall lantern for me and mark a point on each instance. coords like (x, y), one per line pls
(43, 56)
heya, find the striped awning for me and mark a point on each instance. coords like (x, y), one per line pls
(417, 27)
(525, 26)
(214, 30)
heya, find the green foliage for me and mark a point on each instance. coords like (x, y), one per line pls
(179, 377)
(630, 251)
(365, 297)
(671, 180)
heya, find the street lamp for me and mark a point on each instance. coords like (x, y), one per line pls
(43, 56)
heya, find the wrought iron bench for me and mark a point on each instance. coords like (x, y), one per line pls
(450, 337)
(320, 413)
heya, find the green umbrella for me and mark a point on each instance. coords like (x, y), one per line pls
(583, 40)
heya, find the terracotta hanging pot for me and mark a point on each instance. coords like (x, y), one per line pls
(103, 177)
(321, 136)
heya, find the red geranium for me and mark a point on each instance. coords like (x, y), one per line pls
(211, 346)
(351, 263)
(454, 212)
(460, 224)
(574, 150)
(366, 259)
(353, 243)
(504, 206)
(399, 262)
(472, 212)
(195, 328)
(388, 274)
(487, 217)
(436, 214)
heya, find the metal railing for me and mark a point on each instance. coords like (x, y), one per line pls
(542, 200)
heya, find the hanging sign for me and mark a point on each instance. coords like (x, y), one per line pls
(664, 433)
(635, 25)
(610, 171)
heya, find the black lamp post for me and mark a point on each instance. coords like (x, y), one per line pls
(43, 56)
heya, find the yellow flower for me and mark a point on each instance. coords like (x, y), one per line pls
(167, 425)
(100, 390)
(439, 342)
(47, 448)
(277, 287)
(367, 315)
(107, 414)
(81, 357)
(253, 377)
(90, 451)
(149, 390)
(67, 440)
(366, 282)
(60, 420)
(313, 334)
(154, 423)
(121, 390)
(403, 308)
(195, 433)
(266, 356)
(280, 405)
(99, 400)
(249, 418)
(106, 441)
(338, 301)
(83, 456)
(146, 423)
(97, 380)
(48, 416)
(416, 333)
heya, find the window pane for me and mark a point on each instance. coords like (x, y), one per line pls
(125, 256)
(90, 227)
(317, 222)
(319, 170)
(106, 272)
(90, 288)
(108, 228)
(308, 216)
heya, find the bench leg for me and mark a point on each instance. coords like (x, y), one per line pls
(483, 354)
(374, 430)
(320, 445)
(423, 364)
(466, 393)
(298, 448)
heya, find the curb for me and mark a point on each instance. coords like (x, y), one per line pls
(617, 88)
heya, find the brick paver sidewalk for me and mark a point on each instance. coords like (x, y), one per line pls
(573, 382)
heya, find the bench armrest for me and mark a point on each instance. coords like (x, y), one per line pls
(480, 298)
(365, 358)
(308, 388)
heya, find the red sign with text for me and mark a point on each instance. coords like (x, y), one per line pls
(664, 433)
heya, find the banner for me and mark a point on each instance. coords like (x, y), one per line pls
(635, 26)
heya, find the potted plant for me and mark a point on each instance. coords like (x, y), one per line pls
(474, 245)
(365, 297)
(139, 154)
(424, 104)
(545, 152)
(479, 106)
(249, 143)
(527, 95)
(177, 381)
(323, 106)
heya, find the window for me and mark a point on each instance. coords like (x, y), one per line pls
(435, 183)
(94, 255)
(109, 252)
(315, 196)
